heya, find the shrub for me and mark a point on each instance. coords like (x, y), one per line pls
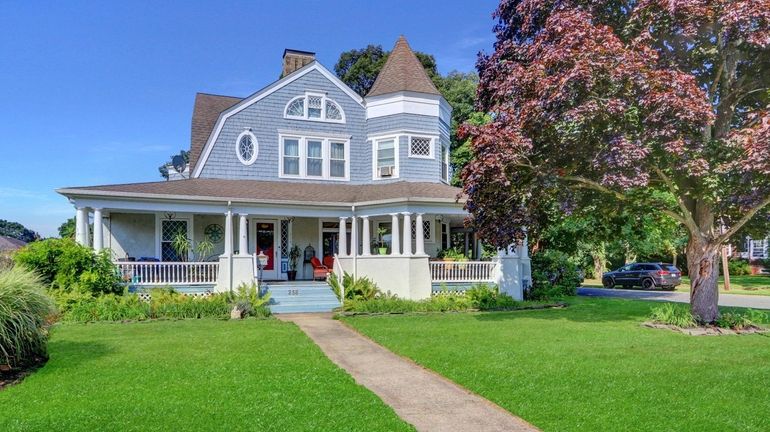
(250, 300)
(554, 275)
(479, 297)
(108, 307)
(741, 320)
(24, 309)
(361, 288)
(66, 265)
(739, 267)
(673, 314)
(164, 303)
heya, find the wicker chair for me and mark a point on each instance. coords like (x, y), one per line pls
(320, 271)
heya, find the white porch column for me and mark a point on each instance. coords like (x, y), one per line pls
(81, 226)
(407, 234)
(98, 231)
(354, 236)
(342, 240)
(395, 245)
(243, 240)
(367, 238)
(228, 233)
(420, 241)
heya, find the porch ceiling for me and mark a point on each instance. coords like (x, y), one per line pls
(271, 192)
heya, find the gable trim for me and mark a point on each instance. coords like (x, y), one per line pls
(261, 94)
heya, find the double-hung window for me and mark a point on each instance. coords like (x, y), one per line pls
(385, 152)
(314, 158)
(291, 156)
(337, 160)
(444, 162)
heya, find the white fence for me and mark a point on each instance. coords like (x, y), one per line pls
(168, 273)
(462, 271)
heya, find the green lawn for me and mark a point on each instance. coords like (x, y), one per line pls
(591, 367)
(190, 375)
(750, 285)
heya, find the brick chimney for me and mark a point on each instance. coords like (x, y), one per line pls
(295, 59)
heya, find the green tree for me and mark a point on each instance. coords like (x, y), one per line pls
(17, 231)
(358, 68)
(67, 229)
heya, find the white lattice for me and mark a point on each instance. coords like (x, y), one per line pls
(425, 230)
(420, 146)
(314, 104)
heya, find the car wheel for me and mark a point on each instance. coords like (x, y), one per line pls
(648, 284)
(608, 283)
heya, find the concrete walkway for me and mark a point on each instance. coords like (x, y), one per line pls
(735, 300)
(423, 398)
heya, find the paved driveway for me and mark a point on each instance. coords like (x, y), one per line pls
(749, 301)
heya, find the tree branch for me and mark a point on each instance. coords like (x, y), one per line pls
(686, 216)
(743, 221)
(594, 185)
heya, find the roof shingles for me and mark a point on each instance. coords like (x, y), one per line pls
(275, 191)
(205, 114)
(402, 72)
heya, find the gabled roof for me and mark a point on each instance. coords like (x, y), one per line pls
(274, 191)
(402, 72)
(205, 114)
(266, 91)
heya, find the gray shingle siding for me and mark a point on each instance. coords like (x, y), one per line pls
(265, 118)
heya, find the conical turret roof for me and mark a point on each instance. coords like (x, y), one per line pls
(402, 72)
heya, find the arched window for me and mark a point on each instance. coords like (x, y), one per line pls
(316, 107)
(246, 147)
(333, 110)
(296, 108)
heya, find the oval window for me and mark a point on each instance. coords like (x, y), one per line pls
(246, 148)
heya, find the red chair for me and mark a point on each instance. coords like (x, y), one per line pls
(320, 271)
(329, 262)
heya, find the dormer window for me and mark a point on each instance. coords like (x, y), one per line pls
(316, 107)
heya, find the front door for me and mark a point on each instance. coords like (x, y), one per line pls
(266, 242)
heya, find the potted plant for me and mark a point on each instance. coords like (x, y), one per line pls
(382, 247)
(294, 254)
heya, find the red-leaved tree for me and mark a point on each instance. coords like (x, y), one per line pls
(660, 105)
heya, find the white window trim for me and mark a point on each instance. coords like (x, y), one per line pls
(325, 153)
(375, 144)
(431, 155)
(305, 116)
(322, 230)
(253, 141)
(445, 161)
(267, 91)
(159, 218)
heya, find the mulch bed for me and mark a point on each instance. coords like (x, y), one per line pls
(10, 376)
(706, 330)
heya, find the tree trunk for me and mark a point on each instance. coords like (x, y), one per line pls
(704, 273)
(598, 266)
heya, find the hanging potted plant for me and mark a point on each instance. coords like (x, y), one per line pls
(294, 254)
(382, 247)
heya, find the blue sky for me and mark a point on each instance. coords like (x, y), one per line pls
(101, 92)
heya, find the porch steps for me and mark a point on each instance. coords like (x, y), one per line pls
(301, 296)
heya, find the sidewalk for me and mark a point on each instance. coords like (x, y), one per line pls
(421, 397)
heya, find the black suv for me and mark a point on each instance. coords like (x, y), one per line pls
(646, 275)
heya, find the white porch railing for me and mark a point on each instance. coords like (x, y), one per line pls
(168, 273)
(462, 271)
